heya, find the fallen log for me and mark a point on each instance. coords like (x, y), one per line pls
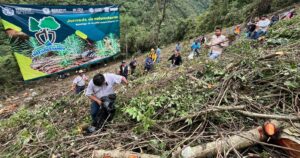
(239, 141)
(120, 154)
(266, 116)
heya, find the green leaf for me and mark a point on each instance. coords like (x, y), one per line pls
(33, 25)
(291, 84)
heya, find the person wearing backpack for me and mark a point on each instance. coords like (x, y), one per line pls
(101, 92)
(123, 71)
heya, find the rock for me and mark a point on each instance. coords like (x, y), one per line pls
(33, 94)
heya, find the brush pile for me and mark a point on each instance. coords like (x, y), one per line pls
(163, 111)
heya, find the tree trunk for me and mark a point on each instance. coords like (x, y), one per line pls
(163, 12)
(238, 141)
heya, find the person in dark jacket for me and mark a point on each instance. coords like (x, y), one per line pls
(176, 59)
(274, 19)
(133, 65)
(148, 63)
(123, 69)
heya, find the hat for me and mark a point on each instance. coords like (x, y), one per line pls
(80, 71)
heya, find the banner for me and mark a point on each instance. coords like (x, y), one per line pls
(53, 39)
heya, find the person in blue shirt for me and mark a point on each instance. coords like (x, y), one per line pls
(158, 52)
(196, 47)
(178, 47)
(148, 63)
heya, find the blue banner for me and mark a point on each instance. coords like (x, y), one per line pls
(58, 38)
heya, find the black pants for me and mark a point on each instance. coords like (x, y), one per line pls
(79, 89)
(103, 112)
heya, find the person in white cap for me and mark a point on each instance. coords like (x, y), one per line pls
(79, 82)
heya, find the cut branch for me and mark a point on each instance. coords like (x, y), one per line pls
(120, 154)
(214, 109)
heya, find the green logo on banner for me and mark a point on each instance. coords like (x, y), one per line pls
(45, 35)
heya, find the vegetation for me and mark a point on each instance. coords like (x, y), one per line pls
(168, 108)
(164, 117)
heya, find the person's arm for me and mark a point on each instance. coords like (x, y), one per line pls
(94, 98)
(124, 81)
(171, 58)
(74, 84)
(90, 94)
(224, 43)
(85, 77)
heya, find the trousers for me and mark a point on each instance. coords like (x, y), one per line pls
(103, 112)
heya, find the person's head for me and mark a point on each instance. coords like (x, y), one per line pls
(177, 53)
(99, 80)
(152, 50)
(218, 31)
(263, 17)
(80, 72)
(123, 62)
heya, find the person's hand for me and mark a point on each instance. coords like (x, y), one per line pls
(206, 46)
(99, 102)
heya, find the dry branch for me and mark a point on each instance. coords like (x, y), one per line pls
(214, 109)
(277, 117)
(120, 154)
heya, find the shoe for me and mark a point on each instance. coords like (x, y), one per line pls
(91, 129)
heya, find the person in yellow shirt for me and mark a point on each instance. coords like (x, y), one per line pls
(153, 55)
(237, 30)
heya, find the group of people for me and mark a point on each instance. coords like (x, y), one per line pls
(216, 45)
(100, 89)
(125, 69)
(259, 27)
(152, 58)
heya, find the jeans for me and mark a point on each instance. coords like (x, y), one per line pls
(148, 67)
(158, 59)
(101, 113)
(196, 52)
(79, 89)
(213, 55)
(258, 34)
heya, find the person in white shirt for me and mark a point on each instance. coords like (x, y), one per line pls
(262, 27)
(217, 44)
(101, 92)
(79, 82)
